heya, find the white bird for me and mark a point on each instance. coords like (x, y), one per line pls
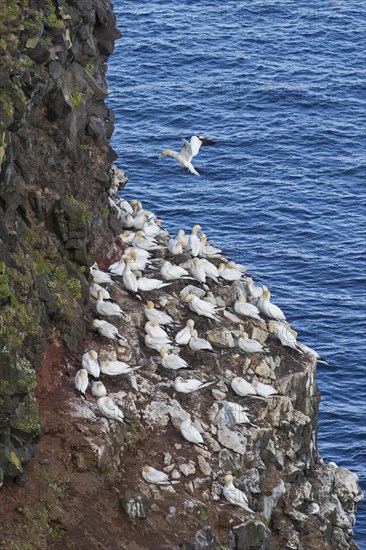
(98, 389)
(157, 343)
(117, 268)
(191, 434)
(305, 349)
(206, 309)
(269, 309)
(152, 475)
(198, 271)
(194, 242)
(172, 272)
(176, 247)
(157, 316)
(108, 330)
(183, 336)
(115, 368)
(189, 150)
(122, 203)
(127, 237)
(146, 285)
(90, 363)
(129, 279)
(140, 220)
(228, 272)
(151, 228)
(109, 409)
(82, 382)
(95, 288)
(99, 276)
(172, 361)
(242, 388)
(210, 270)
(248, 345)
(199, 344)
(190, 385)
(254, 292)
(110, 309)
(242, 307)
(234, 495)
(152, 329)
(127, 220)
(146, 243)
(284, 334)
(208, 250)
(264, 390)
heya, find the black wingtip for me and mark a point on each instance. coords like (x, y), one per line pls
(206, 141)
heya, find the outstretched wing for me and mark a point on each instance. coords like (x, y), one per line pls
(186, 151)
(197, 141)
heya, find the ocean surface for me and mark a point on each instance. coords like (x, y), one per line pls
(279, 85)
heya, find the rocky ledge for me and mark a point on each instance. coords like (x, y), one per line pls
(84, 488)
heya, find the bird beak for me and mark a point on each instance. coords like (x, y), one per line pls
(161, 156)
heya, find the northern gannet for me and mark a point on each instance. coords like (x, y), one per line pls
(99, 276)
(147, 285)
(152, 329)
(95, 288)
(108, 330)
(175, 246)
(208, 250)
(284, 334)
(194, 242)
(264, 390)
(127, 237)
(129, 279)
(183, 336)
(82, 382)
(172, 272)
(242, 307)
(189, 150)
(190, 385)
(109, 309)
(152, 475)
(115, 368)
(242, 388)
(157, 316)
(171, 360)
(90, 363)
(151, 228)
(269, 309)
(191, 434)
(255, 292)
(198, 344)
(198, 271)
(146, 243)
(248, 345)
(206, 309)
(210, 270)
(157, 343)
(109, 409)
(229, 273)
(98, 389)
(234, 495)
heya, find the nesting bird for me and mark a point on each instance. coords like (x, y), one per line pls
(90, 363)
(201, 307)
(109, 309)
(157, 316)
(115, 368)
(234, 495)
(191, 434)
(110, 410)
(189, 385)
(152, 475)
(183, 336)
(82, 382)
(171, 360)
(108, 330)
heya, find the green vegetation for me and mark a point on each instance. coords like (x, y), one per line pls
(83, 147)
(75, 98)
(105, 211)
(6, 104)
(14, 9)
(90, 66)
(202, 514)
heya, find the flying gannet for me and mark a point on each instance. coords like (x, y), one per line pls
(189, 150)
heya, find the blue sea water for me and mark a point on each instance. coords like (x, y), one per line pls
(280, 86)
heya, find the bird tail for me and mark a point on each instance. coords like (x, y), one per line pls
(82, 394)
(206, 384)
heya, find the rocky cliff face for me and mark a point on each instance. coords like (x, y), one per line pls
(55, 162)
(83, 489)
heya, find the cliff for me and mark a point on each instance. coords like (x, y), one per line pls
(83, 487)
